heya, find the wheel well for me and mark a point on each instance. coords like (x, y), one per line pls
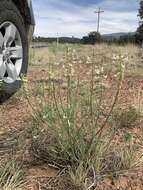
(24, 10)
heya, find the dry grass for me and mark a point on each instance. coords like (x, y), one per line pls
(10, 176)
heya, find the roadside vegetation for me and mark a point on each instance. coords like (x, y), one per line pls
(82, 107)
(78, 115)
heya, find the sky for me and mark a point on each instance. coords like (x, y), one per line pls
(77, 18)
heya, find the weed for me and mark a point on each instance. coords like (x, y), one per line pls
(71, 118)
(74, 130)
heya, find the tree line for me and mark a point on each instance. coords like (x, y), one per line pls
(71, 40)
(94, 37)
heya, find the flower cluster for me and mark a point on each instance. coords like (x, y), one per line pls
(122, 60)
(119, 58)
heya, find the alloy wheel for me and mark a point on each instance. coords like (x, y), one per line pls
(11, 52)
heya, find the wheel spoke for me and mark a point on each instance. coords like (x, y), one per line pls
(1, 40)
(16, 52)
(9, 35)
(11, 52)
(2, 67)
(11, 70)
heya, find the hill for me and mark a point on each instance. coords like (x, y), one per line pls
(117, 35)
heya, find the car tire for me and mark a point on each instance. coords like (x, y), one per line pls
(10, 14)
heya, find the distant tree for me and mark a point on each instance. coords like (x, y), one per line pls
(141, 10)
(92, 38)
(85, 40)
(139, 34)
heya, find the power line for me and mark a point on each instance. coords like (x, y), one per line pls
(98, 13)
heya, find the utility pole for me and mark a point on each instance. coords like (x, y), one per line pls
(98, 13)
(57, 40)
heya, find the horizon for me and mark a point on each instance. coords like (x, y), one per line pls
(122, 33)
(69, 18)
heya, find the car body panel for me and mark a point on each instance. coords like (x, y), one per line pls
(32, 24)
(26, 10)
(31, 12)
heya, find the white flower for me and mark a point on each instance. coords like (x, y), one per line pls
(35, 137)
(115, 57)
(57, 63)
(105, 76)
(45, 116)
(97, 71)
(69, 123)
(64, 116)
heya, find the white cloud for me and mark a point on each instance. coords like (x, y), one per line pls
(69, 19)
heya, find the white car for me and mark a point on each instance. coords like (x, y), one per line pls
(16, 29)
